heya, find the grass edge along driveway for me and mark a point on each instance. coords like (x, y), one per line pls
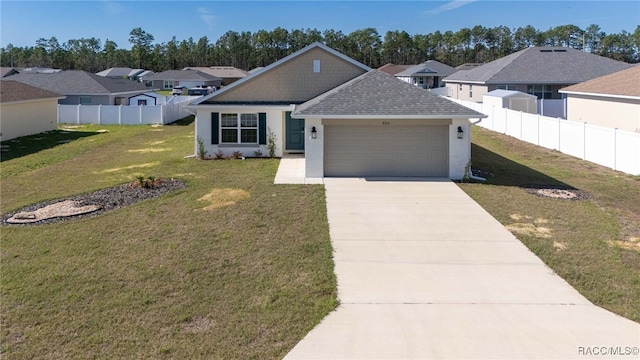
(593, 243)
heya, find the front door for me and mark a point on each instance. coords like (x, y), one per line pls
(294, 137)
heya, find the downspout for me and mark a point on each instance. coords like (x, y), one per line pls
(195, 150)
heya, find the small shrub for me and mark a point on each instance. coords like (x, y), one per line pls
(257, 153)
(271, 142)
(236, 155)
(146, 183)
(202, 152)
(219, 155)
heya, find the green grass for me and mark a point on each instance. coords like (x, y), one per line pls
(162, 278)
(593, 244)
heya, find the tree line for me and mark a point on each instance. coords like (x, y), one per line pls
(246, 50)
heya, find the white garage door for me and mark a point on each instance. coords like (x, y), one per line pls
(361, 151)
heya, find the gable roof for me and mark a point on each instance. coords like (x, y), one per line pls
(14, 91)
(182, 75)
(622, 84)
(220, 71)
(256, 73)
(428, 68)
(77, 82)
(376, 94)
(541, 65)
(7, 71)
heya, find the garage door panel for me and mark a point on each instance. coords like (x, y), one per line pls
(386, 151)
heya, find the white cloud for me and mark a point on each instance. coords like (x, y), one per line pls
(111, 8)
(207, 17)
(451, 5)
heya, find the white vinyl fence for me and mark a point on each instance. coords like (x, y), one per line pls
(613, 148)
(124, 114)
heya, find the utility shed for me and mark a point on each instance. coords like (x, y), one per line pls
(514, 100)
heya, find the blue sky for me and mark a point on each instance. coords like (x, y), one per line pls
(23, 22)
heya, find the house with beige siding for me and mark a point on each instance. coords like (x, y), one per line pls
(346, 119)
(611, 101)
(26, 110)
(541, 71)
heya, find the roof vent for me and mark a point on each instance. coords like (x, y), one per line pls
(546, 51)
(562, 50)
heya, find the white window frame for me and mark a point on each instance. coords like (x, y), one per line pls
(85, 100)
(241, 125)
(507, 87)
(167, 84)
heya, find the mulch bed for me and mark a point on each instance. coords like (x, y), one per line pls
(108, 199)
(556, 192)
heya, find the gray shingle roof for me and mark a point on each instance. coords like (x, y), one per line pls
(182, 75)
(15, 91)
(428, 68)
(377, 94)
(541, 65)
(76, 82)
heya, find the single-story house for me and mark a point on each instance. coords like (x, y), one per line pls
(186, 78)
(228, 74)
(540, 71)
(121, 73)
(347, 119)
(611, 101)
(426, 75)
(513, 100)
(83, 88)
(26, 110)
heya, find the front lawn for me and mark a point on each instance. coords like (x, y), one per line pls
(232, 266)
(593, 243)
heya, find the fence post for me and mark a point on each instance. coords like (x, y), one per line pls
(78, 115)
(120, 115)
(615, 148)
(140, 114)
(521, 121)
(559, 132)
(584, 140)
(538, 129)
(99, 114)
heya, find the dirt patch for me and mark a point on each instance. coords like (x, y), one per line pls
(60, 209)
(223, 197)
(196, 325)
(147, 150)
(527, 225)
(130, 167)
(556, 192)
(633, 243)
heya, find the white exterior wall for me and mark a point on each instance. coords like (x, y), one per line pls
(461, 91)
(27, 118)
(623, 114)
(314, 149)
(459, 149)
(275, 123)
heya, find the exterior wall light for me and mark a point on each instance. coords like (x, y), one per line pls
(460, 132)
(314, 132)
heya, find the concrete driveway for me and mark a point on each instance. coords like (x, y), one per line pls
(425, 273)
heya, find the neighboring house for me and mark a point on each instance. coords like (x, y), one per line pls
(347, 119)
(169, 79)
(612, 101)
(81, 87)
(121, 73)
(26, 110)
(7, 71)
(427, 75)
(512, 100)
(150, 98)
(393, 69)
(540, 71)
(228, 74)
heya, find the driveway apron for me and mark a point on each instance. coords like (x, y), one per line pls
(425, 273)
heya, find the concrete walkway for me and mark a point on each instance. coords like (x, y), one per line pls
(292, 171)
(425, 273)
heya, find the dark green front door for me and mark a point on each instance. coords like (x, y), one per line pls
(294, 129)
